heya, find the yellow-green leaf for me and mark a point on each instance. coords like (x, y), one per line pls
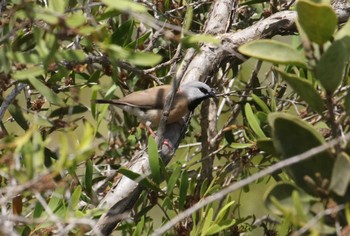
(273, 51)
(318, 21)
(46, 92)
(125, 5)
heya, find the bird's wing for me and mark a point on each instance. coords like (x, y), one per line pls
(152, 98)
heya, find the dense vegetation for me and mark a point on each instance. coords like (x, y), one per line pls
(270, 156)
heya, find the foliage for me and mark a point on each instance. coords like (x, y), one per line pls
(60, 152)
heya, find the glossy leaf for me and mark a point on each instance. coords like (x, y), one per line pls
(173, 179)
(75, 197)
(208, 220)
(241, 145)
(125, 5)
(318, 21)
(144, 58)
(24, 42)
(330, 68)
(253, 121)
(136, 176)
(71, 55)
(154, 159)
(347, 103)
(292, 136)
(31, 72)
(282, 192)
(46, 92)
(216, 228)
(138, 58)
(273, 51)
(122, 34)
(17, 114)
(341, 174)
(305, 90)
(343, 32)
(75, 20)
(183, 189)
(200, 38)
(62, 111)
(261, 104)
(266, 145)
(223, 211)
(88, 176)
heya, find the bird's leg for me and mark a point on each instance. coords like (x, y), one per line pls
(165, 141)
(148, 126)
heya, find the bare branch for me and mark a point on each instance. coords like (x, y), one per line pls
(10, 98)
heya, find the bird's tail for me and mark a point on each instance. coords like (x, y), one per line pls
(103, 101)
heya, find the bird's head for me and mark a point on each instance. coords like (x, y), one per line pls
(196, 92)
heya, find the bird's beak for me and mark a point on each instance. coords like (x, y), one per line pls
(212, 94)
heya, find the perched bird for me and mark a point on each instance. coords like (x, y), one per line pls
(147, 105)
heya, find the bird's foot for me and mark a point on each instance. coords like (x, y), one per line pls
(168, 144)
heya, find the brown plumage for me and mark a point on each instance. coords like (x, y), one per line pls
(148, 104)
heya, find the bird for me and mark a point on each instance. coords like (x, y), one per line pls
(147, 105)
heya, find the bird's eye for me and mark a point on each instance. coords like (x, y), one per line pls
(203, 90)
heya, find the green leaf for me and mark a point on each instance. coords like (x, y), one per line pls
(47, 15)
(57, 6)
(137, 177)
(251, 2)
(200, 38)
(139, 227)
(347, 103)
(282, 192)
(62, 111)
(299, 206)
(138, 58)
(24, 42)
(253, 121)
(343, 32)
(292, 136)
(88, 176)
(16, 113)
(154, 159)
(330, 68)
(46, 92)
(144, 58)
(266, 145)
(173, 179)
(261, 104)
(125, 5)
(208, 220)
(222, 212)
(71, 55)
(123, 33)
(29, 72)
(319, 21)
(241, 145)
(139, 41)
(341, 174)
(75, 197)
(75, 20)
(217, 228)
(38, 210)
(188, 18)
(183, 189)
(273, 51)
(305, 90)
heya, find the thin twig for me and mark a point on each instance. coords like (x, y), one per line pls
(10, 98)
